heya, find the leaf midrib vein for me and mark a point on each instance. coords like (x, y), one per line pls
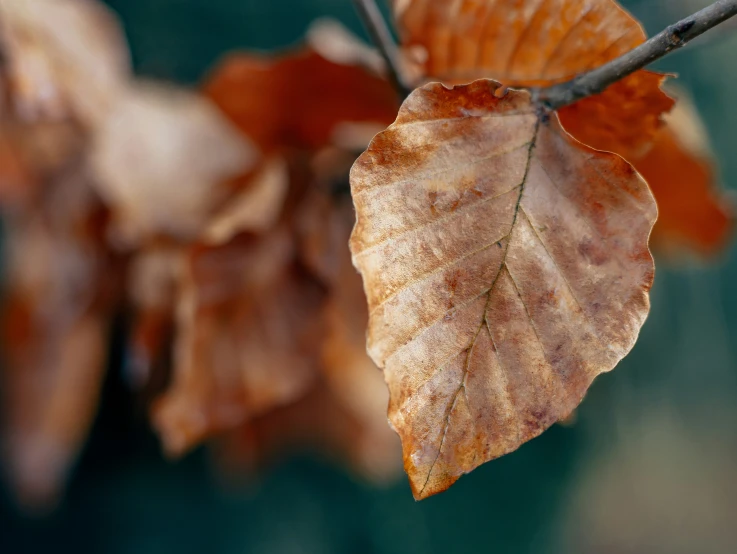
(484, 320)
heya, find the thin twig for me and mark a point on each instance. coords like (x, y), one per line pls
(672, 38)
(381, 36)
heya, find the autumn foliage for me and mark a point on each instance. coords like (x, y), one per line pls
(503, 247)
(544, 246)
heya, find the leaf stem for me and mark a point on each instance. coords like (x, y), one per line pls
(673, 37)
(381, 36)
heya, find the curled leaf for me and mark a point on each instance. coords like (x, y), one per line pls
(506, 266)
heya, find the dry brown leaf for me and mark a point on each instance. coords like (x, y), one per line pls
(298, 100)
(51, 400)
(693, 215)
(161, 160)
(506, 266)
(247, 324)
(526, 43)
(343, 415)
(65, 58)
(60, 294)
(255, 205)
(518, 42)
(157, 270)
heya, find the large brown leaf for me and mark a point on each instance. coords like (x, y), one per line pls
(506, 266)
(528, 43)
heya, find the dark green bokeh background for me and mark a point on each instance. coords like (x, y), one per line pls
(649, 466)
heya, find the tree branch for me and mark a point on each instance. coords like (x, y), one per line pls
(673, 37)
(379, 32)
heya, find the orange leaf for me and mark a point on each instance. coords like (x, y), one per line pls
(526, 43)
(692, 213)
(506, 266)
(624, 119)
(299, 100)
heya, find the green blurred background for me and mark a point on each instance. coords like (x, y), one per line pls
(649, 466)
